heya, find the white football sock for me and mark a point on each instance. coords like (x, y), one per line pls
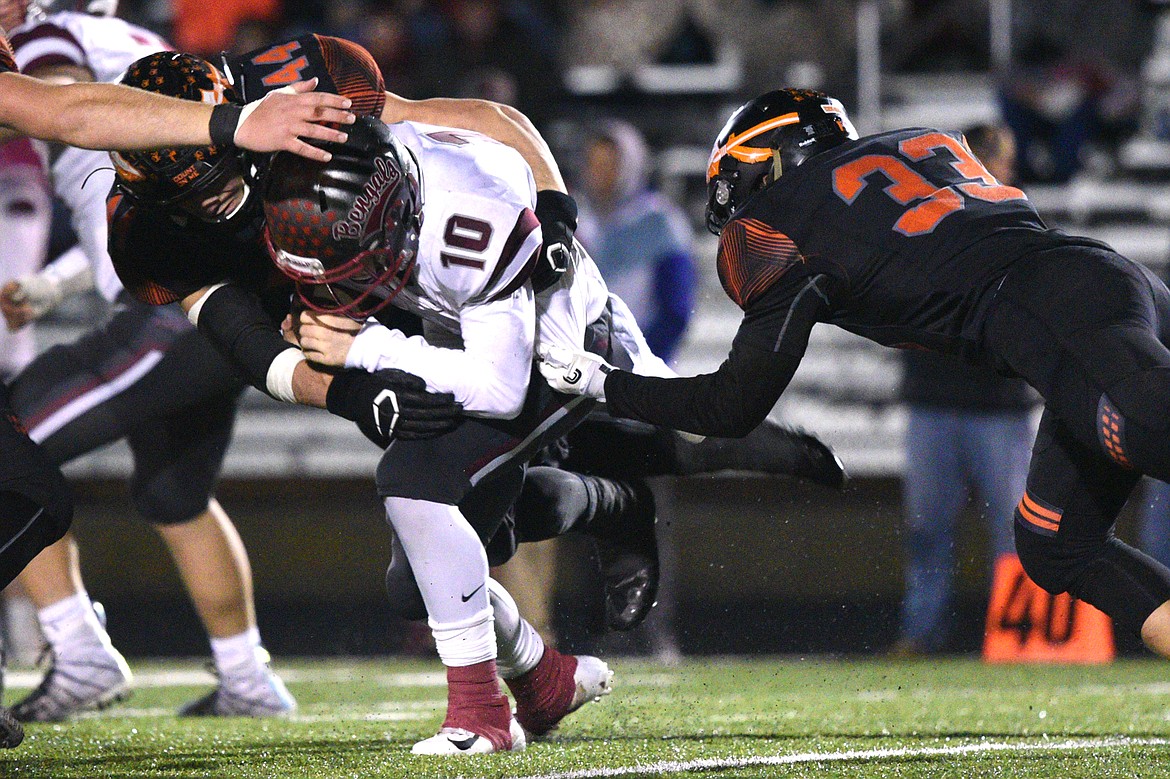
(465, 643)
(237, 655)
(71, 627)
(450, 567)
(520, 647)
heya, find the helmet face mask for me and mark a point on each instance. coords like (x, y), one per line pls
(346, 231)
(765, 137)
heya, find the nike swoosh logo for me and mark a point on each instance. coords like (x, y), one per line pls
(463, 744)
(466, 598)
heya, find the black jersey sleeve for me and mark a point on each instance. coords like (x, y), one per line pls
(737, 397)
(342, 67)
(236, 323)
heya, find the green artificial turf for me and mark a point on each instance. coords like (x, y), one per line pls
(709, 717)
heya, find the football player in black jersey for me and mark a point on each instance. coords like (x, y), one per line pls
(905, 238)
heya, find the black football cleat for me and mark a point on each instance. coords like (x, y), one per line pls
(11, 731)
(771, 448)
(817, 462)
(629, 561)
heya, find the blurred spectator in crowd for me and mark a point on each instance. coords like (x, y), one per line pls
(26, 214)
(625, 34)
(966, 428)
(207, 27)
(494, 49)
(819, 48)
(937, 35)
(1154, 524)
(1056, 102)
(641, 241)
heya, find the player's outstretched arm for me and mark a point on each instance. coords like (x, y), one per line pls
(495, 120)
(112, 116)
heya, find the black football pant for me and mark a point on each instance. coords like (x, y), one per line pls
(1089, 329)
(146, 376)
(36, 506)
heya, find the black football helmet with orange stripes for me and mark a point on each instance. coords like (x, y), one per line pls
(764, 137)
(346, 231)
(165, 177)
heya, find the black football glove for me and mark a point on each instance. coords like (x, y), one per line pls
(392, 404)
(557, 214)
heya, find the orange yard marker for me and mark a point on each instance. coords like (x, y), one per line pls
(1025, 624)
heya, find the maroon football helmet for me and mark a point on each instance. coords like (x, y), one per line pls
(346, 231)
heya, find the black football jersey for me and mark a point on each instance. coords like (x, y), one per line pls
(163, 256)
(341, 67)
(7, 63)
(906, 230)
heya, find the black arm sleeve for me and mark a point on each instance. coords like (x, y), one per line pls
(735, 399)
(234, 321)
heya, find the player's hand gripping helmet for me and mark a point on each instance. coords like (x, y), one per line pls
(166, 176)
(765, 137)
(346, 231)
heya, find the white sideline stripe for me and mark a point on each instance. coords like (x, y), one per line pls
(99, 394)
(127, 712)
(680, 766)
(196, 678)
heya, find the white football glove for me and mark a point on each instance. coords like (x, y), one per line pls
(574, 372)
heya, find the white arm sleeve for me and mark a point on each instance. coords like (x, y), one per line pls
(70, 272)
(489, 375)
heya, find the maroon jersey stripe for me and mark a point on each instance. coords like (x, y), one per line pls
(525, 224)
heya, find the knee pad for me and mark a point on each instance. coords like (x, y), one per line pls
(1116, 578)
(550, 503)
(405, 599)
(161, 501)
(1047, 561)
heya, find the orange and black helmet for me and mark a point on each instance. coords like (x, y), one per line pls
(164, 176)
(764, 137)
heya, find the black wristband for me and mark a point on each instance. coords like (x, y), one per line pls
(225, 119)
(554, 206)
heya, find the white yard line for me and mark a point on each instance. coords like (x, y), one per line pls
(195, 677)
(863, 755)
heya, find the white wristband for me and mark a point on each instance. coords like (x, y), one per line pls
(280, 374)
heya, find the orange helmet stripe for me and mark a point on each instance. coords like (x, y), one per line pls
(735, 148)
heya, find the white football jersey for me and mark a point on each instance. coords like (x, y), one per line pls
(478, 232)
(82, 177)
(478, 242)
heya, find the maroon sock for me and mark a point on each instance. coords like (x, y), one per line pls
(545, 694)
(475, 703)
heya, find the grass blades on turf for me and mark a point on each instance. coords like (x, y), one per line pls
(719, 718)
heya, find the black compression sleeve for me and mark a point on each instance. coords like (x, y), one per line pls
(233, 320)
(736, 398)
(730, 402)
